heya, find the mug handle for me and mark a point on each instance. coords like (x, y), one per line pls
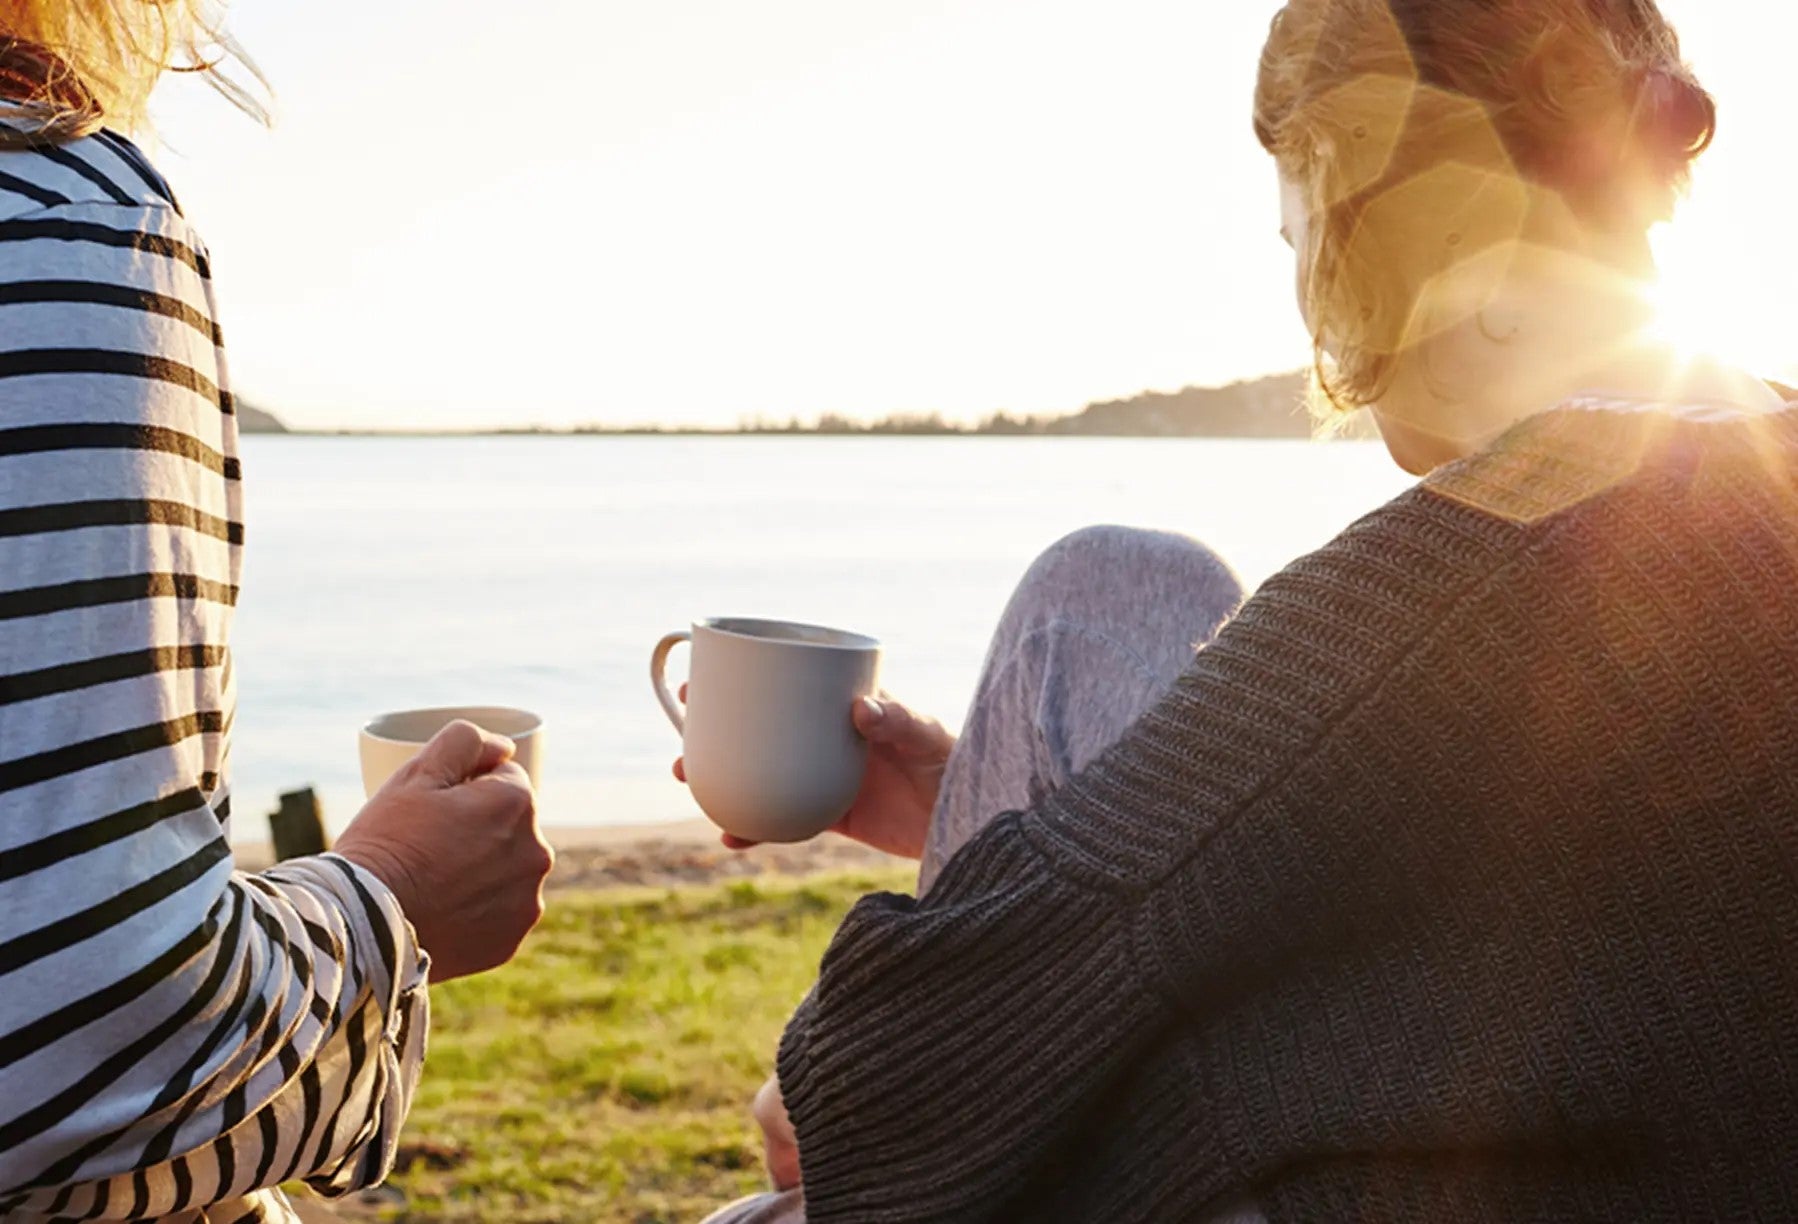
(658, 667)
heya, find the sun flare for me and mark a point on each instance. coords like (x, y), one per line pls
(1710, 302)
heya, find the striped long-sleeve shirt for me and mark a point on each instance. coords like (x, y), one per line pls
(175, 1036)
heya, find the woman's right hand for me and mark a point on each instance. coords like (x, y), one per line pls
(453, 834)
(905, 770)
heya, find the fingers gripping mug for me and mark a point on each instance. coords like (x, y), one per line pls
(771, 752)
(391, 740)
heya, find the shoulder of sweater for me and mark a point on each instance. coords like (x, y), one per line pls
(1567, 460)
(1296, 668)
(1299, 667)
(1289, 673)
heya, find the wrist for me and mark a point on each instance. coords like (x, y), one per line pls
(383, 865)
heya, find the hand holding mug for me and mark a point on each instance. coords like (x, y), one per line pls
(453, 834)
(769, 745)
(389, 741)
(891, 812)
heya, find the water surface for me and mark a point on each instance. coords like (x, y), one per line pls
(539, 571)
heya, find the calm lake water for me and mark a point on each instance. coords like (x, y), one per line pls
(538, 572)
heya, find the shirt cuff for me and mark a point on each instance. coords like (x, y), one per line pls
(385, 947)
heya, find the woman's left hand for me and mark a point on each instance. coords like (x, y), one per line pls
(780, 1143)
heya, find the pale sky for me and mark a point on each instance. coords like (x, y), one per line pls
(698, 211)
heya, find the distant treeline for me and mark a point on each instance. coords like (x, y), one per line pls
(1271, 407)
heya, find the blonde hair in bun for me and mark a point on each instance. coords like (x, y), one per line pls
(1434, 136)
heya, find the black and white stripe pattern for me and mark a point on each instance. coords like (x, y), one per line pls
(175, 1037)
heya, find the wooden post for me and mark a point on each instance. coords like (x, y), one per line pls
(299, 827)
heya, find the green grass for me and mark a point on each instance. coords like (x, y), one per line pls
(605, 1076)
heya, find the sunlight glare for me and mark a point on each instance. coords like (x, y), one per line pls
(1710, 302)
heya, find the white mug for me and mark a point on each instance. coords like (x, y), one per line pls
(772, 753)
(391, 740)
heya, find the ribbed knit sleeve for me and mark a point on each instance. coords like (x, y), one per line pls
(1292, 674)
(951, 1044)
(1454, 880)
(958, 1048)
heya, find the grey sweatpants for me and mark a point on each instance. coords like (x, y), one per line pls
(1096, 632)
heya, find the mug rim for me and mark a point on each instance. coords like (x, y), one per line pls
(849, 640)
(466, 713)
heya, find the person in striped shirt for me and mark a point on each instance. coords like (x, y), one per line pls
(177, 1038)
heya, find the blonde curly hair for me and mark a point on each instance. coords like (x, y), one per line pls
(69, 67)
(1433, 136)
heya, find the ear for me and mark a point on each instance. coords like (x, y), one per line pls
(1483, 285)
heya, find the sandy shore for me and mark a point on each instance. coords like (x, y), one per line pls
(689, 852)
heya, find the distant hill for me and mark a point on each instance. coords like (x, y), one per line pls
(1272, 407)
(1259, 408)
(256, 421)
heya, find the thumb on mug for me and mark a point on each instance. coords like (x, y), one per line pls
(881, 720)
(462, 751)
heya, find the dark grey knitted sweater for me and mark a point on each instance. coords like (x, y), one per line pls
(1456, 881)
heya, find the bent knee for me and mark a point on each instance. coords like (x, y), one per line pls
(1109, 562)
(1158, 594)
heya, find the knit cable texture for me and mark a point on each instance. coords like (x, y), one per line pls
(1456, 880)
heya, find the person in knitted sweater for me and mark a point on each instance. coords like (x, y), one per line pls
(1455, 876)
